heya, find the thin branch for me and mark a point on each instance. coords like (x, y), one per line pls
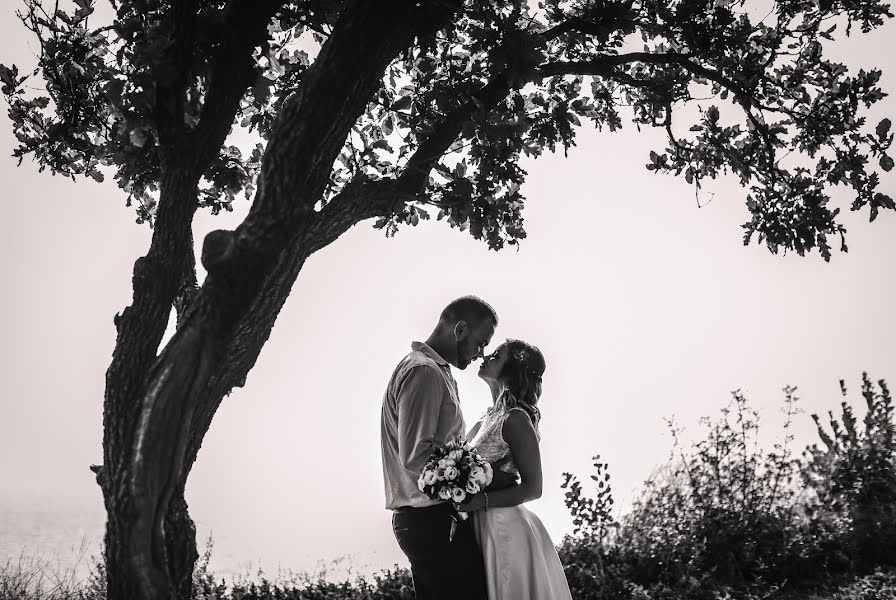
(428, 152)
(606, 66)
(562, 28)
(315, 29)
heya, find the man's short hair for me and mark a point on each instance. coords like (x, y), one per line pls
(472, 309)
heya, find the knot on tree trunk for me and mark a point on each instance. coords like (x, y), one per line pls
(217, 249)
(101, 479)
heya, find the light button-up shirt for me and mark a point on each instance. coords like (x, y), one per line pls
(421, 412)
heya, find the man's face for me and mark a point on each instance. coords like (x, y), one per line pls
(471, 341)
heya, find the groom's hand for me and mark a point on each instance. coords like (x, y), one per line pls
(501, 479)
(471, 503)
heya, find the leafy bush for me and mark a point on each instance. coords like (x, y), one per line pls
(726, 519)
(724, 509)
(854, 480)
(880, 585)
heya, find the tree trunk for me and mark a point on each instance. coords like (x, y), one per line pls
(180, 545)
(158, 282)
(158, 409)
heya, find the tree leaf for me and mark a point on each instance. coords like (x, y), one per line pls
(402, 103)
(262, 90)
(7, 75)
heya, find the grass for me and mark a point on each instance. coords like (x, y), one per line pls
(28, 577)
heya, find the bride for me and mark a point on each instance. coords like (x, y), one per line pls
(521, 562)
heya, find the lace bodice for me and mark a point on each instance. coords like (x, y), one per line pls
(489, 441)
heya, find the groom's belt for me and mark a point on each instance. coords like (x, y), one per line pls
(420, 509)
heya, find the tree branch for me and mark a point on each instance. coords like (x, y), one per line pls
(577, 25)
(417, 170)
(606, 66)
(173, 73)
(233, 71)
(293, 178)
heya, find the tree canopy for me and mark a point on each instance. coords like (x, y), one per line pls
(455, 111)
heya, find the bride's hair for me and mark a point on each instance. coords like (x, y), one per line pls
(521, 376)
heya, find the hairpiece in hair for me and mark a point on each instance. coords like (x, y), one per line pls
(522, 356)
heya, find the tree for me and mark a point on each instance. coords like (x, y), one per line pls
(383, 110)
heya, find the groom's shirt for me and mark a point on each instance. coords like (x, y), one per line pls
(420, 412)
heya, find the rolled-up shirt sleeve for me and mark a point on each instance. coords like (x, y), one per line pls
(419, 402)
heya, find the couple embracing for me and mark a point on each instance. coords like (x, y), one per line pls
(502, 551)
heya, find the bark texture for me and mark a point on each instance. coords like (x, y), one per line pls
(159, 406)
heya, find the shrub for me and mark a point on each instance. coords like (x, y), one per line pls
(853, 481)
(724, 509)
(725, 519)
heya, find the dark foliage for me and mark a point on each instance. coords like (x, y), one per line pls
(459, 108)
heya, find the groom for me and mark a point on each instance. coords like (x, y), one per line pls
(420, 413)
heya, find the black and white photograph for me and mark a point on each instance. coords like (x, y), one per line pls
(448, 299)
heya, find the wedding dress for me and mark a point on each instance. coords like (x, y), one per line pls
(521, 562)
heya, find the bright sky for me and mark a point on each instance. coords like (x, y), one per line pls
(644, 305)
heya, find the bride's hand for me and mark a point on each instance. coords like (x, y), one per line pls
(502, 479)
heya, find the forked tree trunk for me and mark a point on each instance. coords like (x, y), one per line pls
(158, 408)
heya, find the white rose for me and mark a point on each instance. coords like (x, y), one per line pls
(455, 455)
(451, 473)
(458, 494)
(444, 493)
(489, 473)
(477, 474)
(421, 483)
(445, 463)
(430, 477)
(472, 487)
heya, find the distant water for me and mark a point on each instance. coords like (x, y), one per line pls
(57, 533)
(63, 536)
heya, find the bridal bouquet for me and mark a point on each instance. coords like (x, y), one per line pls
(455, 472)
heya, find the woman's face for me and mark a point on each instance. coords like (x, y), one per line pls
(493, 364)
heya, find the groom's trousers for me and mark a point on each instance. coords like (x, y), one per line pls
(442, 568)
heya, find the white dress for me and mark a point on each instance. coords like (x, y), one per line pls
(521, 562)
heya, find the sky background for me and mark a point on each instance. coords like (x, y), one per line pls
(645, 306)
